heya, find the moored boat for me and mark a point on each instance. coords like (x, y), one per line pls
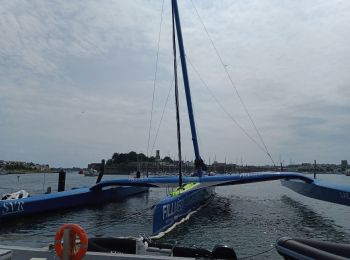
(21, 203)
(10, 208)
(90, 172)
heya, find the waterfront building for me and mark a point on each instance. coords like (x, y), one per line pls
(344, 165)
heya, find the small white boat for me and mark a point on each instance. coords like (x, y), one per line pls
(90, 172)
(16, 195)
(3, 172)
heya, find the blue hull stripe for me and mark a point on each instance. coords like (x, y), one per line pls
(174, 208)
(321, 190)
(63, 200)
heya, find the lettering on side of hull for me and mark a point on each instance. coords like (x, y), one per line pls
(12, 207)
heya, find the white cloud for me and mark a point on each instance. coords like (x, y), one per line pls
(78, 76)
(36, 33)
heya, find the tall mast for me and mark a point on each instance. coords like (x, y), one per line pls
(177, 104)
(198, 161)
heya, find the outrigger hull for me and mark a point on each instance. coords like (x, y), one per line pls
(10, 209)
(321, 190)
(174, 209)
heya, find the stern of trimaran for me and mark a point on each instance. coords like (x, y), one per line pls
(188, 197)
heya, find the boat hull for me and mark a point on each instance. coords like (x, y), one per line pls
(321, 190)
(64, 200)
(173, 209)
(299, 248)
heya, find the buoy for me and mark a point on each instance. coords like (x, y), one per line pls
(69, 249)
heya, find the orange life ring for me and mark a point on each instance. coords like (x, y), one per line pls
(76, 253)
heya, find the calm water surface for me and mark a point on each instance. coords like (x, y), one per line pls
(248, 217)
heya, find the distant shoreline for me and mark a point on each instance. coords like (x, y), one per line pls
(22, 172)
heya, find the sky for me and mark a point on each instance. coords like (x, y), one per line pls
(77, 80)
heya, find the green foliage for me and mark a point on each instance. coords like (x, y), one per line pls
(167, 159)
(122, 158)
(109, 162)
(19, 166)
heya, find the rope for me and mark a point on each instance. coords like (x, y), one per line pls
(161, 118)
(257, 254)
(163, 112)
(102, 227)
(233, 85)
(128, 216)
(223, 108)
(155, 79)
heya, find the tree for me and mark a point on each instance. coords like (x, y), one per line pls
(114, 156)
(167, 159)
(132, 157)
(109, 162)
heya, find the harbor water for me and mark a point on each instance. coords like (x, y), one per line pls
(247, 217)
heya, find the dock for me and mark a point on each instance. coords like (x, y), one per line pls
(48, 253)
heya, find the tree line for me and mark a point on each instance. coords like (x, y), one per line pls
(122, 158)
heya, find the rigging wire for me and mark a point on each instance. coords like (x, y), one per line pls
(257, 254)
(94, 229)
(105, 226)
(232, 84)
(161, 118)
(155, 79)
(222, 107)
(163, 112)
(126, 217)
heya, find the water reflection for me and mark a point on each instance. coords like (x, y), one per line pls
(309, 224)
(249, 217)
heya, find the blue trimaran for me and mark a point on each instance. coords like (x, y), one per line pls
(193, 192)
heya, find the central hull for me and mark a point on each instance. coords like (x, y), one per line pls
(173, 209)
